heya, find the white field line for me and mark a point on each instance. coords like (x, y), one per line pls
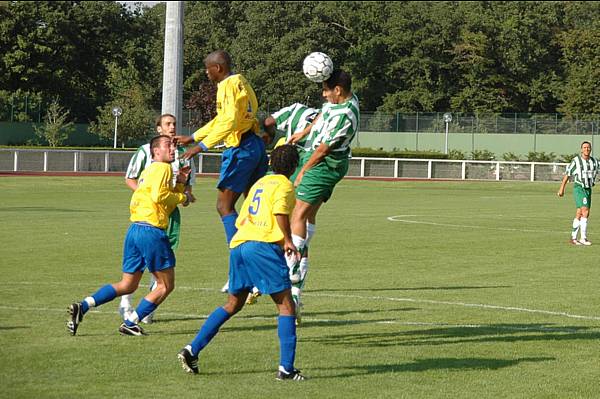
(401, 219)
(361, 297)
(274, 318)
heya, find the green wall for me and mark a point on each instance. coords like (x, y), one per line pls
(520, 144)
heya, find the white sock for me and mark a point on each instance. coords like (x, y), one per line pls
(90, 301)
(126, 301)
(310, 232)
(133, 317)
(153, 283)
(575, 228)
(583, 228)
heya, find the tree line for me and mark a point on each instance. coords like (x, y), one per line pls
(471, 57)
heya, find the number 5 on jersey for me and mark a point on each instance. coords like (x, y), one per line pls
(255, 200)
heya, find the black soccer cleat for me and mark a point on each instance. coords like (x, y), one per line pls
(135, 330)
(294, 375)
(76, 317)
(188, 362)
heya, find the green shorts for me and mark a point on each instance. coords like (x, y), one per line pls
(583, 196)
(174, 228)
(318, 182)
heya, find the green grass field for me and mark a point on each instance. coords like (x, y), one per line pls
(416, 290)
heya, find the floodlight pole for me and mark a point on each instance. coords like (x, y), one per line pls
(116, 111)
(172, 99)
(447, 120)
(115, 139)
(446, 145)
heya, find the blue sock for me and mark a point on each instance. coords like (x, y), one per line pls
(209, 329)
(229, 224)
(103, 295)
(286, 330)
(143, 309)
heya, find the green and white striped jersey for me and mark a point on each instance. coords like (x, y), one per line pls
(584, 171)
(337, 127)
(142, 159)
(293, 119)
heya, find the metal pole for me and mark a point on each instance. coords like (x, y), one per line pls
(446, 145)
(172, 99)
(115, 139)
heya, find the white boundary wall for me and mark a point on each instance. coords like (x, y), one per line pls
(81, 161)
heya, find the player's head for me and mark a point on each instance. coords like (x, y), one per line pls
(586, 148)
(162, 149)
(338, 87)
(217, 65)
(166, 125)
(284, 160)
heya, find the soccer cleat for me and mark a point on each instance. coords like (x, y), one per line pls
(76, 317)
(584, 241)
(135, 330)
(253, 297)
(188, 362)
(574, 242)
(294, 375)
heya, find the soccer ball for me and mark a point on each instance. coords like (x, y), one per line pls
(317, 67)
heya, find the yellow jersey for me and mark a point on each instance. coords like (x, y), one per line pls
(236, 114)
(155, 197)
(271, 195)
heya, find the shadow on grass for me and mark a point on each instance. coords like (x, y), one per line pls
(42, 209)
(421, 365)
(453, 335)
(449, 288)
(6, 328)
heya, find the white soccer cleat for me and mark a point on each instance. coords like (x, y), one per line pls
(584, 241)
(148, 319)
(574, 241)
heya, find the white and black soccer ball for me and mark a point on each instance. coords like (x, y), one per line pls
(317, 67)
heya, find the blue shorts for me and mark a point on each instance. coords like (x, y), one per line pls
(146, 246)
(258, 264)
(242, 166)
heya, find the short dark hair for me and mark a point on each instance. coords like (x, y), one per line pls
(339, 78)
(586, 142)
(220, 57)
(284, 160)
(160, 118)
(155, 142)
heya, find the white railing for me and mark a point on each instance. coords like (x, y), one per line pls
(20, 160)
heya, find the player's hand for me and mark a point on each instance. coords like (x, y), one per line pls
(190, 153)
(560, 193)
(298, 179)
(184, 174)
(294, 138)
(290, 250)
(192, 197)
(183, 140)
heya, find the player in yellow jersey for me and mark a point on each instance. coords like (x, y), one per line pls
(244, 161)
(146, 243)
(257, 260)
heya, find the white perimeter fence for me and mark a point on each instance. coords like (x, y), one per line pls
(20, 160)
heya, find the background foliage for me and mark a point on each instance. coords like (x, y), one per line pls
(480, 57)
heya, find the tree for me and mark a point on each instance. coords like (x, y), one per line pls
(129, 93)
(57, 127)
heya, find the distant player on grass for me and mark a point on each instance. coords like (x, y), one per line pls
(324, 166)
(584, 169)
(245, 160)
(166, 125)
(146, 243)
(257, 259)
